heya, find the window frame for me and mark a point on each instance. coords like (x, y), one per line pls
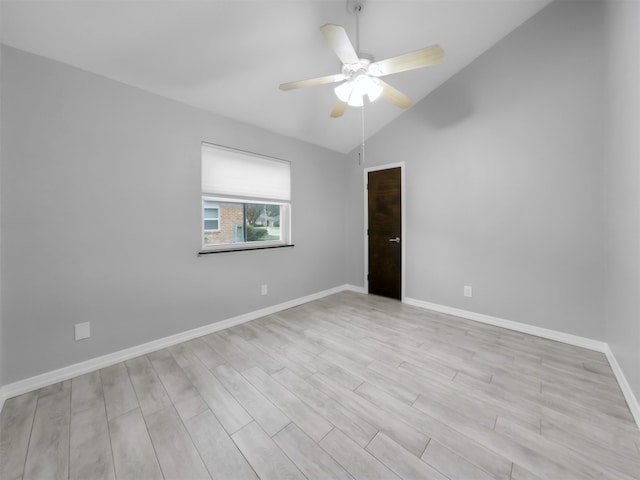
(285, 212)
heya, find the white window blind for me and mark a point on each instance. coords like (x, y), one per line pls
(243, 175)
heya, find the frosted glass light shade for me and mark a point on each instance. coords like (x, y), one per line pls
(355, 100)
(343, 91)
(353, 91)
(375, 90)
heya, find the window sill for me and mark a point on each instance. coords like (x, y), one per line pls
(243, 249)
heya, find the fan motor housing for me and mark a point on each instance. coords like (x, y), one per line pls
(363, 67)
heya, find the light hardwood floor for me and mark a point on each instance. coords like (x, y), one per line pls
(349, 386)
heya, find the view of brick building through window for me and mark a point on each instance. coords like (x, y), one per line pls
(229, 222)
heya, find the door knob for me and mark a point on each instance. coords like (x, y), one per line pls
(397, 239)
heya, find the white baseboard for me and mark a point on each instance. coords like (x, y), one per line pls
(55, 376)
(511, 325)
(567, 338)
(632, 401)
(61, 374)
(355, 288)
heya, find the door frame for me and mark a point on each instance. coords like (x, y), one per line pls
(403, 213)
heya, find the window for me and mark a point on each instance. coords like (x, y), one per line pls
(246, 200)
(211, 216)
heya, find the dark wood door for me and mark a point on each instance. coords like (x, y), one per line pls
(385, 227)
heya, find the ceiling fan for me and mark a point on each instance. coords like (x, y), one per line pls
(360, 75)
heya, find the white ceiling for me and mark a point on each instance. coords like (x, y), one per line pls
(229, 56)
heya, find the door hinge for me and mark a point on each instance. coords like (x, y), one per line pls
(367, 231)
(367, 276)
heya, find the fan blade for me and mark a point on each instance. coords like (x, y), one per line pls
(394, 96)
(339, 109)
(338, 77)
(409, 61)
(339, 41)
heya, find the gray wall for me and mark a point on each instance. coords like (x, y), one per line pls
(504, 179)
(2, 349)
(622, 164)
(101, 222)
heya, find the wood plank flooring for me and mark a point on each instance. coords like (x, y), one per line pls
(351, 386)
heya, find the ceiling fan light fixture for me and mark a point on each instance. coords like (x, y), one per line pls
(359, 75)
(353, 91)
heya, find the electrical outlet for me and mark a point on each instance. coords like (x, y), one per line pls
(264, 289)
(82, 330)
(468, 291)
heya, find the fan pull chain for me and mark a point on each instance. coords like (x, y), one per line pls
(357, 10)
(362, 149)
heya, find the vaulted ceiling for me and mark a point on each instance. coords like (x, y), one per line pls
(229, 56)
